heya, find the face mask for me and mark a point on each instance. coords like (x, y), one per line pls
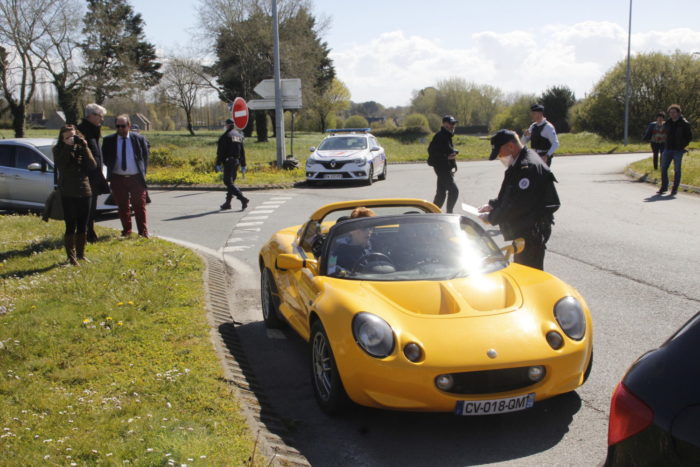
(506, 161)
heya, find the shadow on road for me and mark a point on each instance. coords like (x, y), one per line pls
(201, 214)
(371, 437)
(658, 197)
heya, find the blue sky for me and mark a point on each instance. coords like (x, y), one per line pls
(384, 50)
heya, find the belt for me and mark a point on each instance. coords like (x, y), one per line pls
(125, 176)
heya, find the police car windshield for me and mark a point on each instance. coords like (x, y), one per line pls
(410, 247)
(343, 143)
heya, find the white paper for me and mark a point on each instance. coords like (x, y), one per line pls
(469, 209)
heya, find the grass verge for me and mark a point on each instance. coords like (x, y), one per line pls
(111, 362)
(690, 169)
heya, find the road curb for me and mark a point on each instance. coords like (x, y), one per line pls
(651, 179)
(272, 437)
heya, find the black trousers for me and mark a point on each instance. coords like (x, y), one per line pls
(75, 214)
(657, 149)
(446, 188)
(92, 214)
(535, 246)
(230, 173)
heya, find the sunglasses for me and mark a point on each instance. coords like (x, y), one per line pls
(120, 126)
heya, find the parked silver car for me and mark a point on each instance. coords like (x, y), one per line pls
(27, 174)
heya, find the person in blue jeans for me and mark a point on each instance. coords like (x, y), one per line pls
(678, 137)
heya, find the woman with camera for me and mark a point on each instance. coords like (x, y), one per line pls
(73, 161)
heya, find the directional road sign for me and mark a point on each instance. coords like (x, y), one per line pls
(291, 94)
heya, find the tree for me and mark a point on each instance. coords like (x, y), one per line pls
(470, 103)
(557, 101)
(118, 59)
(515, 116)
(334, 99)
(182, 82)
(21, 26)
(657, 80)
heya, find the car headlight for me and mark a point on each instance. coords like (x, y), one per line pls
(360, 162)
(570, 317)
(373, 334)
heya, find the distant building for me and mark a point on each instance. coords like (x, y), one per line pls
(56, 120)
(138, 118)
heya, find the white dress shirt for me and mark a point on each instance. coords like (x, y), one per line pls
(131, 168)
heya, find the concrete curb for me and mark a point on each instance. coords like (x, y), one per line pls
(652, 179)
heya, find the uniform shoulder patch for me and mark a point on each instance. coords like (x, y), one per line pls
(524, 183)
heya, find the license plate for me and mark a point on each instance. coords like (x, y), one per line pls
(494, 406)
(333, 176)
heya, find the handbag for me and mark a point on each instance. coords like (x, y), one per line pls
(53, 207)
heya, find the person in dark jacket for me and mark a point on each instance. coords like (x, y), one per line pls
(90, 127)
(527, 200)
(74, 162)
(678, 137)
(230, 154)
(442, 157)
(655, 134)
(126, 157)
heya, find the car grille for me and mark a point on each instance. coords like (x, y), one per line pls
(490, 381)
(338, 164)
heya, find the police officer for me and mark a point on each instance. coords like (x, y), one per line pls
(527, 199)
(541, 135)
(230, 154)
(442, 158)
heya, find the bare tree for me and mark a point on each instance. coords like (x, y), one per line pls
(183, 80)
(21, 26)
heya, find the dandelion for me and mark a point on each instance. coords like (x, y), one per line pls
(120, 303)
(108, 318)
(87, 321)
(120, 323)
(130, 302)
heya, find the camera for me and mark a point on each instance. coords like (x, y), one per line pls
(77, 140)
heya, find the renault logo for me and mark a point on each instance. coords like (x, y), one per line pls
(333, 164)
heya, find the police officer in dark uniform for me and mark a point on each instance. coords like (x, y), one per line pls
(527, 200)
(541, 135)
(442, 158)
(230, 154)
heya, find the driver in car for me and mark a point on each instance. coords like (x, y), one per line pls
(347, 255)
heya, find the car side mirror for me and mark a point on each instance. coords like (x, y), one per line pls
(294, 262)
(517, 246)
(312, 148)
(375, 148)
(35, 167)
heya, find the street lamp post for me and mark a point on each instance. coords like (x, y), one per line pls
(627, 77)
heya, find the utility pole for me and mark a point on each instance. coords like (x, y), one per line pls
(627, 78)
(279, 111)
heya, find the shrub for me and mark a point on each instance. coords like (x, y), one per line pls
(162, 156)
(416, 120)
(356, 121)
(403, 134)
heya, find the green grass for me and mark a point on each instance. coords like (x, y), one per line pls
(180, 159)
(111, 362)
(690, 169)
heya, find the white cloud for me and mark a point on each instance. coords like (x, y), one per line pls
(388, 68)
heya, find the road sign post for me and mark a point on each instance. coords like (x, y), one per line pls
(240, 113)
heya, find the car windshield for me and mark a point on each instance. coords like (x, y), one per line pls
(341, 143)
(410, 247)
(47, 151)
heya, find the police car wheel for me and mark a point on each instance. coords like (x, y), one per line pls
(370, 176)
(382, 176)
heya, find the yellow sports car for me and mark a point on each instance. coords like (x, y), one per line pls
(412, 309)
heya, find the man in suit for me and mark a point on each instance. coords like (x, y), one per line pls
(125, 154)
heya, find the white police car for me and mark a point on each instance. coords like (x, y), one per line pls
(349, 154)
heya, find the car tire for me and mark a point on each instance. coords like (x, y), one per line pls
(325, 379)
(370, 177)
(382, 176)
(269, 299)
(587, 373)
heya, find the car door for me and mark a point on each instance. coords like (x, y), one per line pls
(379, 157)
(30, 188)
(7, 165)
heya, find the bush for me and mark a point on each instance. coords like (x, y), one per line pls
(416, 120)
(356, 121)
(162, 156)
(403, 134)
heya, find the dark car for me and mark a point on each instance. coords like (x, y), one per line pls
(655, 410)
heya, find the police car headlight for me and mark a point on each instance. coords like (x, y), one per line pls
(360, 162)
(310, 161)
(569, 315)
(373, 335)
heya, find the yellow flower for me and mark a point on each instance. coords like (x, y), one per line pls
(87, 321)
(130, 302)
(109, 318)
(120, 323)
(120, 304)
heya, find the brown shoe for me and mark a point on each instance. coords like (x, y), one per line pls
(80, 240)
(69, 243)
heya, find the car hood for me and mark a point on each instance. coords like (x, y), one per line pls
(471, 296)
(343, 154)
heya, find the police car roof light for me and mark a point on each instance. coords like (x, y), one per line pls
(349, 130)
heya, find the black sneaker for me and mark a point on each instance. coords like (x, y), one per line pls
(244, 203)
(674, 192)
(661, 191)
(226, 205)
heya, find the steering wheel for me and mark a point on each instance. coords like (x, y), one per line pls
(373, 257)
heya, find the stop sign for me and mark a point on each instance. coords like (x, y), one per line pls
(240, 113)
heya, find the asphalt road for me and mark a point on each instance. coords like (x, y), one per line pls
(633, 255)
